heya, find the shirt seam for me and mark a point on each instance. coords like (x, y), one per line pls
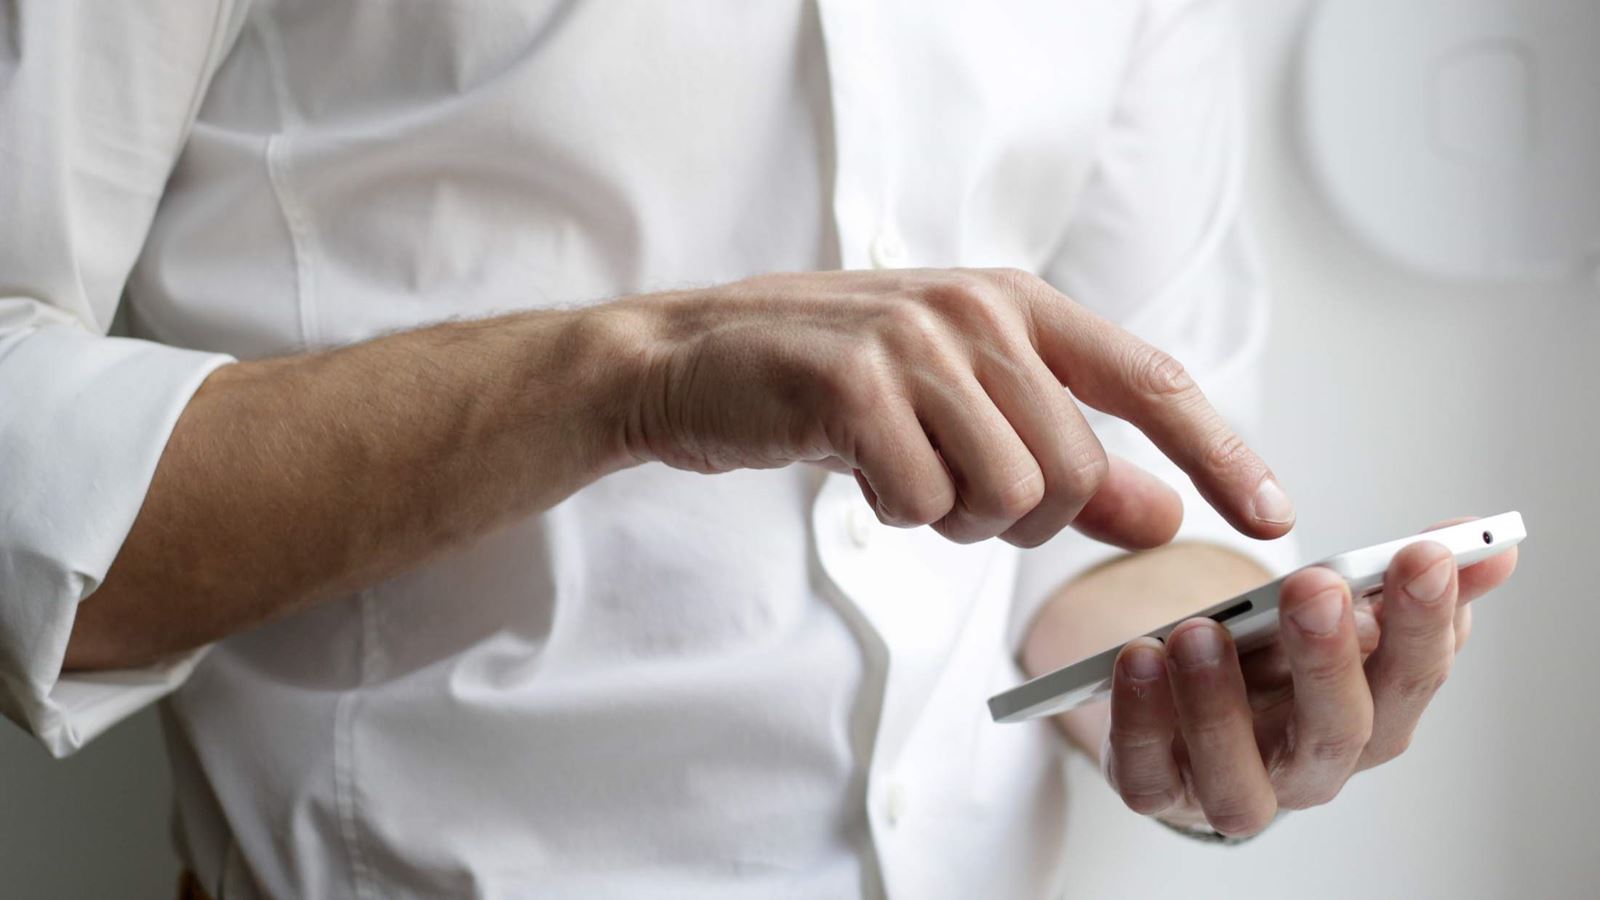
(302, 236)
(302, 250)
(299, 238)
(344, 775)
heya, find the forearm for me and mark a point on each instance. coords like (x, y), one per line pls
(1130, 595)
(289, 480)
(294, 479)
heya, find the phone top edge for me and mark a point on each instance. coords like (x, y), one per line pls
(1497, 532)
(1469, 542)
(1072, 684)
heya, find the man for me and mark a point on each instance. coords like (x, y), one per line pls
(459, 610)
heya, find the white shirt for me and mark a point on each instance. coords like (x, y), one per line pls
(670, 684)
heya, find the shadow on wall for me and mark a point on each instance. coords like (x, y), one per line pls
(93, 825)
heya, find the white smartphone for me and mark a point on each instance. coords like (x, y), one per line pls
(1252, 617)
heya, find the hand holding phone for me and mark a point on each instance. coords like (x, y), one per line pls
(1252, 617)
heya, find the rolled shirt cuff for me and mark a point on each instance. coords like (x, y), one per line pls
(83, 422)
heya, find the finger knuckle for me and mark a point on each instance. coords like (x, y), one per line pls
(972, 281)
(1242, 819)
(1225, 450)
(1380, 752)
(961, 526)
(913, 328)
(922, 507)
(1086, 472)
(1330, 667)
(1158, 375)
(1019, 282)
(1337, 748)
(1035, 535)
(1149, 801)
(1218, 730)
(1072, 484)
(1419, 687)
(1320, 794)
(1128, 739)
(1423, 623)
(1014, 498)
(954, 289)
(981, 307)
(855, 386)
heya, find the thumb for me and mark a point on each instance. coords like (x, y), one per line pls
(1133, 509)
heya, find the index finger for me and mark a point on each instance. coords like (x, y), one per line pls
(1121, 375)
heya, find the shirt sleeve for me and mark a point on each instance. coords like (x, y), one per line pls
(96, 100)
(1158, 244)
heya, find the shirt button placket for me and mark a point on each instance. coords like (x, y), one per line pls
(887, 250)
(858, 524)
(894, 804)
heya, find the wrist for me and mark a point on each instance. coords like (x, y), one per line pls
(651, 343)
(613, 356)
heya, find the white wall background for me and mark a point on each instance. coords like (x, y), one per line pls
(1394, 402)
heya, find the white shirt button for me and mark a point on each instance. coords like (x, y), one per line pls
(894, 803)
(888, 251)
(859, 523)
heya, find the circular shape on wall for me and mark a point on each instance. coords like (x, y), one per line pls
(1460, 138)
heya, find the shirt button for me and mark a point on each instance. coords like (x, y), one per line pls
(887, 250)
(894, 804)
(858, 523)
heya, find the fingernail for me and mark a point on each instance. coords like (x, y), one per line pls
(1320, 615)
(1430, 585)
(1271, 504)
(1197, 646)
(1142, 664)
